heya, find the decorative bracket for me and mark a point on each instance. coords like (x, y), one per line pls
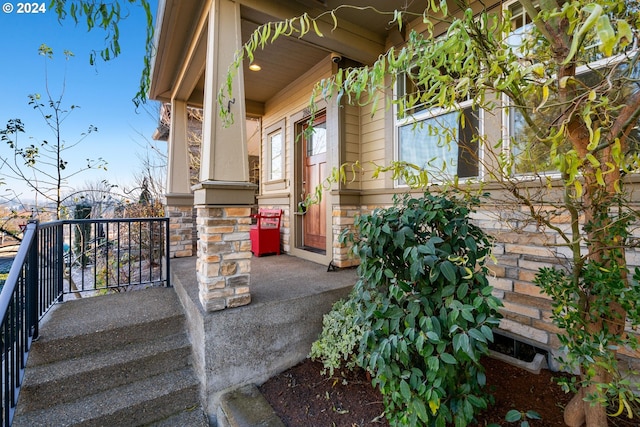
(231, 101)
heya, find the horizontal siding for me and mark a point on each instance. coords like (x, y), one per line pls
(295, 97)
(352, 144)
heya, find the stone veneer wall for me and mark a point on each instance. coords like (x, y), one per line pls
(520, 253)
(518, 257)
(343, 216)
(181, 231)
(224, 257)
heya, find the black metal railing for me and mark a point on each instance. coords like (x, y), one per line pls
(72, 259)
(94, 256)
(19, 320)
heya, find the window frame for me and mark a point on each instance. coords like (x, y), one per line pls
(423, 114)
(277, 128)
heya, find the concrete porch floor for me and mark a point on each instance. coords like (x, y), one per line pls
(275, 277)
(250, 344)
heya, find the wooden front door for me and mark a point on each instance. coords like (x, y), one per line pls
(314, 174)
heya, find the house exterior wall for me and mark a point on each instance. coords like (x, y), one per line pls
(352, 144)
(368, 137)
(374, 144)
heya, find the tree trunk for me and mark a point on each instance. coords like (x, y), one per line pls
(595, 415)
(574, 414)
(579, 412)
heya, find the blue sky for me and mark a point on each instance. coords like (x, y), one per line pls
(102, 91)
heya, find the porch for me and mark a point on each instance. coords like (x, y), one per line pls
(228, 348)
(249, 344)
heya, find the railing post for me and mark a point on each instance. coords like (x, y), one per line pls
(32, 281)
(167, 250)
(60, 255)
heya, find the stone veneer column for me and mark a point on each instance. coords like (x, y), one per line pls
(181, 226)
(343, 217)
(224, 195)
(179, 199)
(224, 257)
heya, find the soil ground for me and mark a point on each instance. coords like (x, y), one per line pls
(302, 397)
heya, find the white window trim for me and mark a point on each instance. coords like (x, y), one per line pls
(429, 113)
(278, 127)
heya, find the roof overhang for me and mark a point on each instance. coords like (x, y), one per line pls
(181, 31)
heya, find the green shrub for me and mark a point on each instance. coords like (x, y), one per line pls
(341, 334)
(424, 295)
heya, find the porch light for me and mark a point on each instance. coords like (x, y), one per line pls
(255, 67)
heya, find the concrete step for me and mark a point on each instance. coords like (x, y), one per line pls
(115, 360)
(191, 417)
(68, 380)
(246, 407)
(80, 327)
(140, 403)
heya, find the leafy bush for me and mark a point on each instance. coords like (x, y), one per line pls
(428, 309)
(341, 334)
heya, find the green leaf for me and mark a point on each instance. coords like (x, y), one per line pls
(513, 416)
(433, 336)
(420, 409)
(477, 401)
(448, 270)
(448, 359)
(482, 379)
(477, 335)
(405, 391)
(461, 343)
(467, 315)
(533, 415)
(462, 291)
(606, 35)
(433, 363)
(588, 24)
(447, 291)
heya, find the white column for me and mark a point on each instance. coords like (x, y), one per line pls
(224, 150)
(178, 181)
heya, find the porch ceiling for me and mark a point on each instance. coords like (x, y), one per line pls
(178, 69)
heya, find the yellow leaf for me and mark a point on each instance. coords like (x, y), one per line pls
(538, 69)
(592, 159)
(434, 405)
(316, 29)
(594, 139)
(625, 34)
(545, 98)
(616, 151)
(599, 177)
(620, 408)
(616, 186)
(578, 187)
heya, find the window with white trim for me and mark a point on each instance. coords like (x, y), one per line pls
(442, 142)
(275, 152)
